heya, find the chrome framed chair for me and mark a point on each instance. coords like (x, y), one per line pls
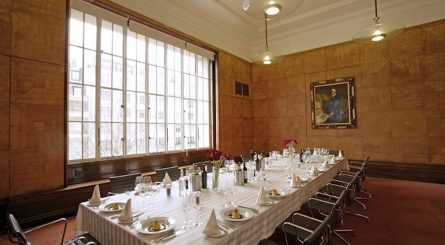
(204, 163)
(17, 235)
(84, 239)
(173, 172)
(303, 229)
(246, 157)
(348, 181)
(361, 168)
(122, 183)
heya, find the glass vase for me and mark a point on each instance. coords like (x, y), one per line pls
(215, 180)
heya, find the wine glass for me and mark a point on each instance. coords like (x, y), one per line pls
(197, 205)
(186, 206)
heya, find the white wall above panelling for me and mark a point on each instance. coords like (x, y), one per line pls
(317, 23)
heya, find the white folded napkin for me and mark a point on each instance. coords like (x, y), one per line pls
(212, 228)
(295, 181)
(167, 179)
(340, 155)
(127, 213)
(314, 171)
(325, 164)
(332, 161)
(95, 198)
(262, 197)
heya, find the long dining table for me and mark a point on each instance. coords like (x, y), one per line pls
(108, 231)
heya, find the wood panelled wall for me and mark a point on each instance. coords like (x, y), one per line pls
(235, 111)
(32, 65)
(400, 92)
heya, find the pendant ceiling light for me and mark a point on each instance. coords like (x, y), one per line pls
(257, 8)
(267, 59)
(379, 30)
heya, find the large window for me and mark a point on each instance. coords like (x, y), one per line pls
(133, 94)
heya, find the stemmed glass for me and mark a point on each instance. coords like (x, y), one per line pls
(197, 205)
(154, 189)
(186, 205)
(144, 187)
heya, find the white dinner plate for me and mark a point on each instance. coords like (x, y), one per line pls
(280, 193)
(246, 214)
(112, 207)
(218, 233)
(302, 179)
(144, 226)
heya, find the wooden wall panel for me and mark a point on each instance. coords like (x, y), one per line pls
(5, 27)
(235, 112)
(400, 87)
(38, 30)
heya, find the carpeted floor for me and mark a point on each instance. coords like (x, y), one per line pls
(401, 212)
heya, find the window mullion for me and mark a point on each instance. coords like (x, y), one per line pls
(147, 98)
(98, 88)
(124, 93)
(165, 100)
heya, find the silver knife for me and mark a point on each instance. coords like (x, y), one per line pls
(177, 233)
(252, 209)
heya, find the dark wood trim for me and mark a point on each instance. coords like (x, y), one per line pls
(3, 208)
(434, 173)
(91, 171)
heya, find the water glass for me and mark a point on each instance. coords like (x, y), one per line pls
(197, 204)
(186, 204)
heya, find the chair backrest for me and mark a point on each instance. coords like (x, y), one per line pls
(123, 183)
(16, 231)
(209, 165)
(246, 157)
(307, 230)
(173, 172)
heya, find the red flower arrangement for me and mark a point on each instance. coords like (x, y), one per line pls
(289, 142)
(216, 155)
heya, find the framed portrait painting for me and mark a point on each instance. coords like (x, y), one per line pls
(333, 103)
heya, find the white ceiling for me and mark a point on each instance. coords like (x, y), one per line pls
(317, 23)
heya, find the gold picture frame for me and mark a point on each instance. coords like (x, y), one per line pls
(333, 103)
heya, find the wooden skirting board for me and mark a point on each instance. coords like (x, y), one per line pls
(41, 207)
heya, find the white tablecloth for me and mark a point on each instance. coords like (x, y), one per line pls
(109, 232)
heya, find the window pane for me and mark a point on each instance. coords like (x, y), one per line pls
(117, 139)
(117, 106)
(170, 57)
(76, 61)
(152, 147)
(131, 45)
(178, 137)
(178, 110)
(170, 82)
(206, 115)
(160, 78)
(160, 109)
(160, 54)
(131, 75)
(141, 48)
(186, 66)
(200, 112)
(89, 103)
(199, 66)
(161, 137)
(117, 40)
(141, 77)
(75, 141)
(205, 90)
(106, 36)
(178, 84)
(152, 108)
(190, 111)
(90, 32)
(105, 139)
(203, 136)
(76, 27)
(192, 83)
(171, 110)
(140, 107)
(190, 136)
(141, 140)
(89, 72)
(75, 102)
(105, 105)
(186, 86)
(192, 63)
(131, 138)
(89, 140)
(152, 51)
(200, 88)
(105, 76)
(117, 72)
(152, 79)
(177, 59)
(131, 106)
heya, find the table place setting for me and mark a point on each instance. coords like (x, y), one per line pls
(263, 199)
(212, 228)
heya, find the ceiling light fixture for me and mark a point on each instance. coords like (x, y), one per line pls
(267, 59)
(272, 9)
(379, 30)
(257, 8)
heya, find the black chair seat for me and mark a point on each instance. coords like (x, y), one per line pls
(123, 183)
(173, 172)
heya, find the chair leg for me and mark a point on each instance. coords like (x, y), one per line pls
(362, 204)
(341, 238)
(365, 192)
(361, 198)
(359, 215)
